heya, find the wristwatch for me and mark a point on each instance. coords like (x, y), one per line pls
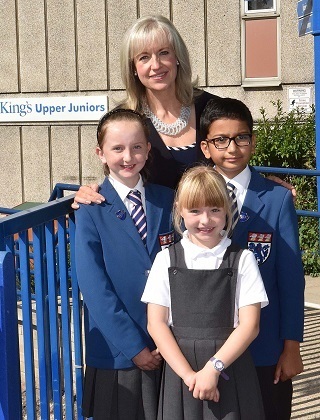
(219, 366)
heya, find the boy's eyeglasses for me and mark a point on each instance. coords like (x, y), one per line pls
(224, 142)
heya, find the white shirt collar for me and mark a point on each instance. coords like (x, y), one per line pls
(123, 190)
(193, 251)
(241, 181)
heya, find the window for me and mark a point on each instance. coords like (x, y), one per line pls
(260, 43)
(252, 6)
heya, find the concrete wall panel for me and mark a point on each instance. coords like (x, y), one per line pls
(61, 45)
(256, 99)
(189, 21)
(10, 167)
(32, 46)
(92, 48)
(154, 8)
(295, 50)
(223, 33)
(8, 56)
(121, 14)
(36, 164)
(115, 98)
(65, 155)
(91, 165)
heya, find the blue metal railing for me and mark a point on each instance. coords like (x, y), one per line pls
(6, 210)
(298, 172)
(40, 242)
(10, 395)
(58, 191)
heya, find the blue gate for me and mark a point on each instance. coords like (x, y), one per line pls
(37, 270)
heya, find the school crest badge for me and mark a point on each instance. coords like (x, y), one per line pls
(166, 239)
(260, 245)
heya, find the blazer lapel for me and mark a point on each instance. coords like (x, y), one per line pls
(252, 205)
(120, 215)
(154, 215)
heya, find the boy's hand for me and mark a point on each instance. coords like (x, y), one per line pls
(289, 363)
(87, 194)
(206, 383)
(157, 355)
(145, 360)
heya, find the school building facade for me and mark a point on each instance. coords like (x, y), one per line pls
(59, 71)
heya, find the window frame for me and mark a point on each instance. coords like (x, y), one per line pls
(262, 14)
(272, 10)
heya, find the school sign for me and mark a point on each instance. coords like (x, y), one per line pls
(66, 108)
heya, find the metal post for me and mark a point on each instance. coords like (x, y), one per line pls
(316, 34)
(10, 390)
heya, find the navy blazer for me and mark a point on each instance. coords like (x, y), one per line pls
(112, 266)
(268, 226)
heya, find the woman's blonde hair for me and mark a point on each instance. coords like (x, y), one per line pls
(146, 31)
(201, 186)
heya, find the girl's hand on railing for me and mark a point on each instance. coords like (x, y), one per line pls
(87, 194)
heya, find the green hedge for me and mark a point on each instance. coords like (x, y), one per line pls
(288, 140)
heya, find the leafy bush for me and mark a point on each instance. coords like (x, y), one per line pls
(288, 140)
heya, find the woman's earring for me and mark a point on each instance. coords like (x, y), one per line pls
(135, 73)
(178, 63)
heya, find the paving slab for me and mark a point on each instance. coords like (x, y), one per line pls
(306, 386)
(312, 291)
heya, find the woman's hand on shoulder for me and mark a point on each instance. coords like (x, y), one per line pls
(87, 194)
(285, 185)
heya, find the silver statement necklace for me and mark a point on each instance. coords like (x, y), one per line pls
(169, 129)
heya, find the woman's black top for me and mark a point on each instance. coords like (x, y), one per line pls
(165, 168)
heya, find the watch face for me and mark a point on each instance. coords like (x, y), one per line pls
(219, 365)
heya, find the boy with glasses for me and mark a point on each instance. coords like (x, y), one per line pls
(265, 222)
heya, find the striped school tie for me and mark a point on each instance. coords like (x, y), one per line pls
(234, 207)
(138, 214)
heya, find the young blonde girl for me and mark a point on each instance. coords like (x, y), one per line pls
(204, 297)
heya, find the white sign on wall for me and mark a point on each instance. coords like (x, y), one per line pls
(300, 97)
(64, 108)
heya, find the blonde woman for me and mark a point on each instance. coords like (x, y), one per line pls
(156, 71)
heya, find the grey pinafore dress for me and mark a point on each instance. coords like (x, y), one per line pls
(202, 303)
